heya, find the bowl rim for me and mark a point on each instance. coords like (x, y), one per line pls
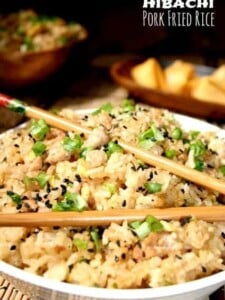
(217, 279)
(103, 293)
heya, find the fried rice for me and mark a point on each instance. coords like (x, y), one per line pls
(45, 169)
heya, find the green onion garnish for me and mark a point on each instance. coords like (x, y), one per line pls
(96, 239)
(84, 152)
(198, 148)
(72, 144)
(143, 229)
(42, 179)
(80, 244)
(71, 202)
(153, 187)
(177, 134)
(15, 197)
(113, 147)
(194, 134)
(107, 107)
(39, 148)
(222, 170)
(170, 153)
(128, 105)
(39, 129)
(199, 164)
(148, 138)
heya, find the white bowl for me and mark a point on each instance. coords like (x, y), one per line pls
(39, 288)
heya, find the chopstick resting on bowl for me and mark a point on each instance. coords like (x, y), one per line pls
(106, 217)
(154, 160)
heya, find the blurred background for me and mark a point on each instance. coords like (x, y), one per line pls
(115, 26)
(115, 31)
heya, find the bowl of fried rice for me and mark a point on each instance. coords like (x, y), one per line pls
(44, 169)
(34, 46)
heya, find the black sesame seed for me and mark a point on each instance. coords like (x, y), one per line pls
(13, 247)
(124, 203)
(85, 118)
(45, 196)
(2, 186)
(178, 257)
(48, 188)
(182, 190)
(64, 189)
(55, 188)
(37, 197)
(116, 258)
(124, 126)
(123, 256)
(118, 243)
(133, 168)
(204, 269)
(16, 145)
(150, 176)
(82, 135)
(210, 166)
(112, 116)
(185, 221)
(18, 206)
(78, 178)
(56, 227)
(66, 180)
(223, 235)
(24, 198)
(48, 204)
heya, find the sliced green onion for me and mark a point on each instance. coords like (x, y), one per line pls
(110, 187)
(128, 105)
(177, 133)
(113, 147)
(39, 148)
(63, 40)
(96, 239)
(153, 133)
(39, 129)
(42, 179)
(198, 148)
(222, 170)
(72, 144)
(71, 202)
(154, 224)
(28, 43)
(143, 229)
(153, 187)
(199, 164)
(28, 181)
(80, 244)
(15, 197)
(194, 134)
(84, 152)
(170, 153)
(146, 144)
(107, 107)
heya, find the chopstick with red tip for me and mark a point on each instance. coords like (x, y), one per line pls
(106, 217)
(154, 160)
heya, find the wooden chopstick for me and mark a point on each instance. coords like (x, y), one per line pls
(106, 217)
(154, 160)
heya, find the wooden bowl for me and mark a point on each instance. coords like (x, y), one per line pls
(121, 74)
(19, 69)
